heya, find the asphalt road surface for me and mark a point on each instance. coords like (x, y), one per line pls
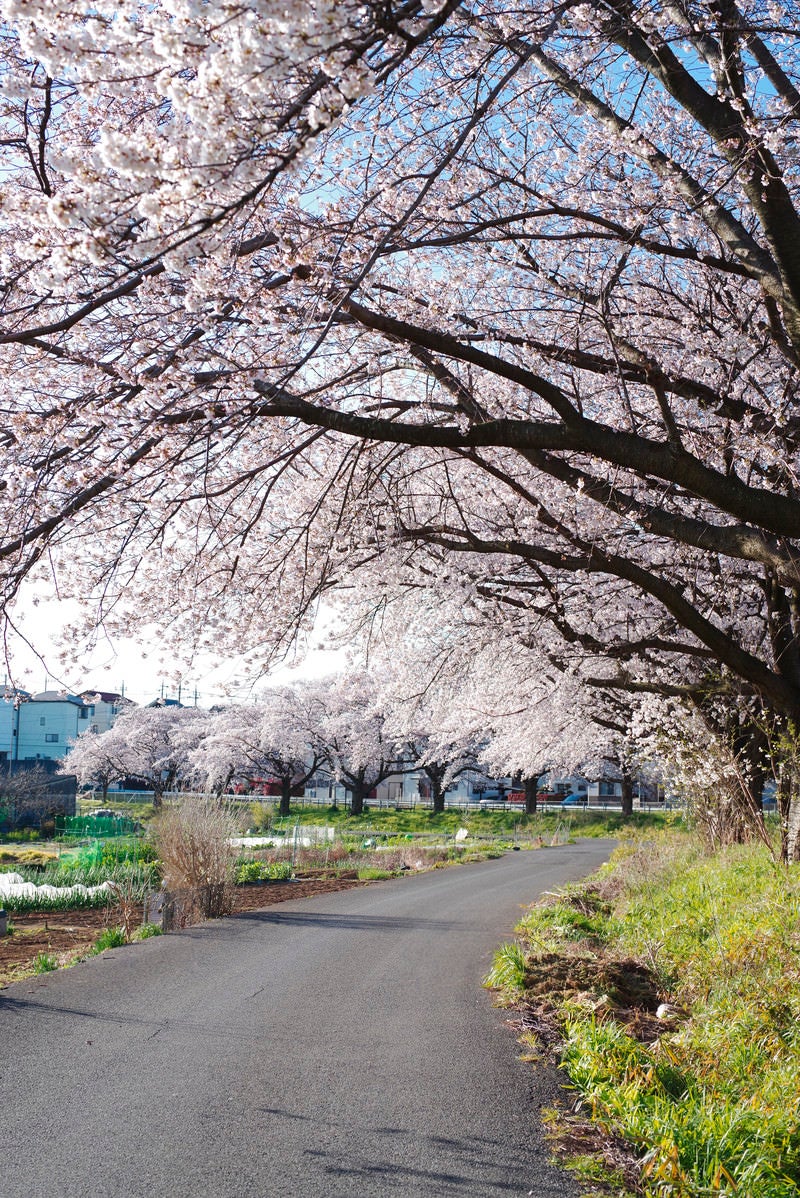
(331, 1046)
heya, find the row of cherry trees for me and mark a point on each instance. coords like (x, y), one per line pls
(508, 720)
(338, 726)
(481, 321)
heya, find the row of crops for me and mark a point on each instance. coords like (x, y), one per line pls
(71, 879)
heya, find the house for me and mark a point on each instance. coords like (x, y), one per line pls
(10, 700)
(39, 728)
(604, 790)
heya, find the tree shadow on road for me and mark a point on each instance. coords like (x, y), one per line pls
(356, 923)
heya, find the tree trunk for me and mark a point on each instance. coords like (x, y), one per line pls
(356, 799)
(750, 746)
(222, 787)
(789, 807)
(437, 794)
(627, 795)
(531, 793)
(286, 796)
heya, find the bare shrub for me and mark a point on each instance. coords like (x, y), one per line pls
(193, 838)
(128, 913)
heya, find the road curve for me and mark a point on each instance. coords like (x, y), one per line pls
(339, 1045)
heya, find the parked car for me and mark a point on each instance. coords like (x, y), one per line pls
(576, 799)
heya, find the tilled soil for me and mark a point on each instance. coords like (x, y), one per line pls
(66, 936)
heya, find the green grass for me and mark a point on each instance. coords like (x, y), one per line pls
(579, 914)
(712, 1104)
(506, 822)
(146, 931)
(509, 970)
(109, 938)
(44, 963)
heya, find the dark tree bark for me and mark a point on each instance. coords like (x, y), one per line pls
(357, 795)
(286, 796)
(436, 772)
(531, 793)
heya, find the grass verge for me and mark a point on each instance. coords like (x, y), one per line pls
(508, 822)
(669, 987)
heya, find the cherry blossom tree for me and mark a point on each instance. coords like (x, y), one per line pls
(414, 710)
(701, 755)
(361, 750)
(442, 764)
(278, 737)
(94, 760)
(504, 301)
(477, 689)
(149, 744)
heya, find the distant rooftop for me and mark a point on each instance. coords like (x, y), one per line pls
(85, 698)
(104, 696)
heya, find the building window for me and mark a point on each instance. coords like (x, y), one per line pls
(41, 721)
(51, 738)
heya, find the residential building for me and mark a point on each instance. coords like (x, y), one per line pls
(40, 728)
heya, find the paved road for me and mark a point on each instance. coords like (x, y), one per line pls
(339, 1045)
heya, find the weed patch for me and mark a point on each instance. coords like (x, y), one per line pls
(110, 938)
(509, 971)
(146, 931)
(44, 963)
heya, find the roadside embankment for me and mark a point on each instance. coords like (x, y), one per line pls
(668, 985)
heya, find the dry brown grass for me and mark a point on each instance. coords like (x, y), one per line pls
(193, 841)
